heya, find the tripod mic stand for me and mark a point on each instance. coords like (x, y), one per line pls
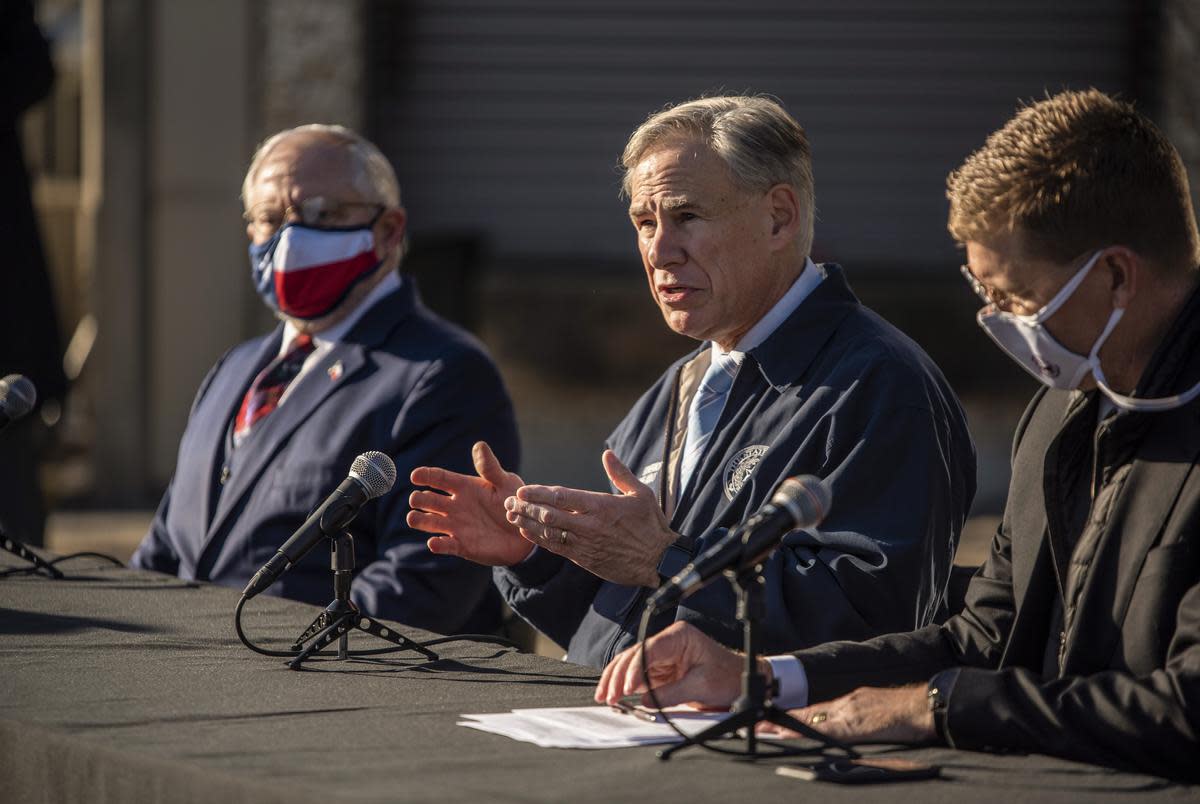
(754, 704)
(341, 616)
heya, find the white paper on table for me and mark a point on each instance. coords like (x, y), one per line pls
(589, 726)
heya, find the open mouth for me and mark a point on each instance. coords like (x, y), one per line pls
(672, 294)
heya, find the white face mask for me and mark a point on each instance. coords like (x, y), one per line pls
(1027, 341)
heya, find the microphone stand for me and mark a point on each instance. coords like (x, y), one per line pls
(755, 701)
(20, 550)
(341, 615)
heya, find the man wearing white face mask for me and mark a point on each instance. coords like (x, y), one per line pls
(1081, 633)
(356, 364)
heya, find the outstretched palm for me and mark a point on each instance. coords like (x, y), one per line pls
(468, 513)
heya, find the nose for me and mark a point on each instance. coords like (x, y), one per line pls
(664, 249)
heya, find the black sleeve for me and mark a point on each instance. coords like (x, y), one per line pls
(26, 70)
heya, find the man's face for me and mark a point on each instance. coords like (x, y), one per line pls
(705, 242)
(1023, 284)
(305, 179)
(309, 180)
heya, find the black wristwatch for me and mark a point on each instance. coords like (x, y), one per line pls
(938, 695)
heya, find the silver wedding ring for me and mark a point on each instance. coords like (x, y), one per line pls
(562, 537)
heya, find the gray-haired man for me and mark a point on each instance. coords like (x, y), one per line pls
(357, 363)
(793, 376)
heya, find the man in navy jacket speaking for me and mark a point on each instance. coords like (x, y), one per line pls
(793, 376)
(357, 363)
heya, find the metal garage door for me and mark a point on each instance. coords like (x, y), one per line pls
(507, 116)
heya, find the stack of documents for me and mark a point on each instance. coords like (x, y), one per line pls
(592, 726)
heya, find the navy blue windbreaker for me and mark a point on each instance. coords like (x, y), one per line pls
(836, 392)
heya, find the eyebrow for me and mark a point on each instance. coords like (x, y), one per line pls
(671, 203)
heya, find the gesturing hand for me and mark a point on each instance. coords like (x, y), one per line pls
(470, 513)
(618, 537)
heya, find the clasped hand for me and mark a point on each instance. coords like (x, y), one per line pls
(618, 537)
(495, 519)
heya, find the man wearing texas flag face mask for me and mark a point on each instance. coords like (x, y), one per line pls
(1081, 632)
(357, 363)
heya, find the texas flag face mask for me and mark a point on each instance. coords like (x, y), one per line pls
(304, 272)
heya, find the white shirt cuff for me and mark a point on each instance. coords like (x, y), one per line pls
(792, 681)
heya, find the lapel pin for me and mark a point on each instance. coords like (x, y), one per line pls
(335, 371)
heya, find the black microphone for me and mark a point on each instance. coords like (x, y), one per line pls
(800, 502)
(17, 398)
(372, 475)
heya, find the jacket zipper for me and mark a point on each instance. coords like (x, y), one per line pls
(1095, 489)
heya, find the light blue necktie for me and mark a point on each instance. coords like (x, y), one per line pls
(706, 410)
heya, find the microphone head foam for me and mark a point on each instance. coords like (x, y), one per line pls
(376, 471)
(806, 498)
(17, 396)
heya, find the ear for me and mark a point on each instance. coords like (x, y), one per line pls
(1123, 267)
(390, 230)
(784, 206)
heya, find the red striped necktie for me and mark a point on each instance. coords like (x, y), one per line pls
(268, 387)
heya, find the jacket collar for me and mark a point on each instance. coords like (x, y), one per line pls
(1172, 368)
(385, 315)
(788, 352)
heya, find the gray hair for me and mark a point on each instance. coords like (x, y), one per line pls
(760, 143)
(374, 176)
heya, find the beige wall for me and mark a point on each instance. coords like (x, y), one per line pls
(176, 95)
(200, 133)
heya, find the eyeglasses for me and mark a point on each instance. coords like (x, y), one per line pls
(989, 295)
(317, 212)
(1005, 302)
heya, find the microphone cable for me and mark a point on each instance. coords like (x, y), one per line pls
(781, 749)
(291, 654)
(39, 564)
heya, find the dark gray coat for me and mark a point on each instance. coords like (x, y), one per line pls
(1121, 684)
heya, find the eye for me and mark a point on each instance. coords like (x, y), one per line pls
(326, 217)
(266, 222)
(645, 225)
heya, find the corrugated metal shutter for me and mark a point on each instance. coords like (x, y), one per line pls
(507, 116)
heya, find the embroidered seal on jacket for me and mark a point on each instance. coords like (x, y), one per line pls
(740, 467)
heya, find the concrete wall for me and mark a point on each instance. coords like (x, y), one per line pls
(198, 296)
(176, 96)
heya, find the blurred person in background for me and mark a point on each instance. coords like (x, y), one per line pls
(1081, 632)
(30, 342)
(792, 376)
(357, 363)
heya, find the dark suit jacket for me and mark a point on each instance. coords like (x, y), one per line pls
(404, 382)
(1126, 688)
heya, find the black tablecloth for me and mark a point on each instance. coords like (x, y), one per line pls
(117, 685)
